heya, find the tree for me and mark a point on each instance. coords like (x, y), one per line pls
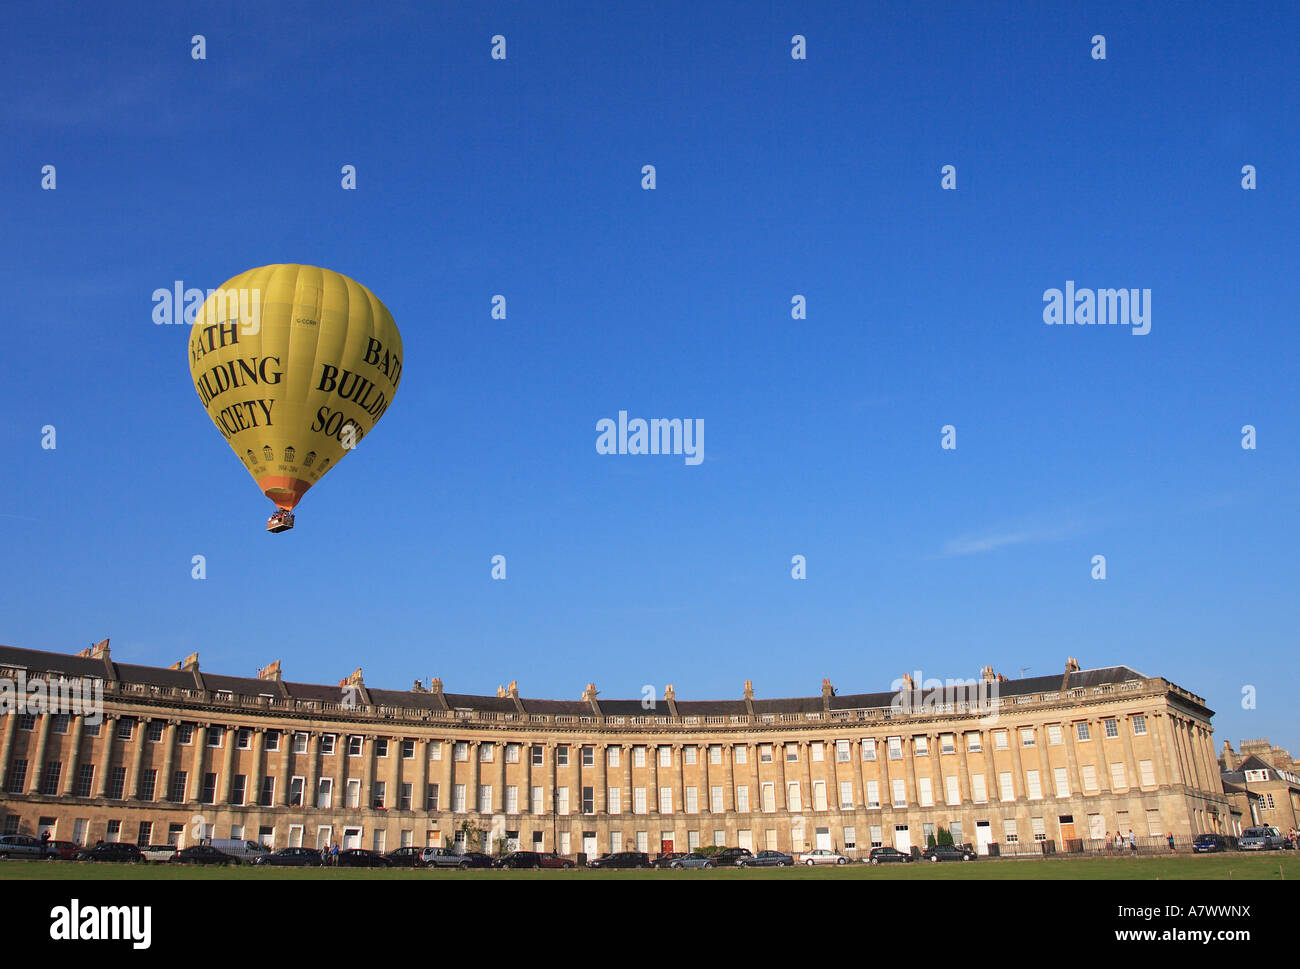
(945, 836)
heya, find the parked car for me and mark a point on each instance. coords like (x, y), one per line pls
(532, 859)
(823, 856)
(622, 859)
(446, 858)
(23, 846)
(667, 858)
(949, 853)
(239, 848)
(1205, 843)
(111, 851)
(408, 857)
(203, 855)
(63, 850)
(884, 855)
(1264, 838)
(158, 852)
(692, 861)
(361, 858)
(731, 857)
(291, 858)
(767, 859)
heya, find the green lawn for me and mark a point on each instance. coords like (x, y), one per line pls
(1268, 866)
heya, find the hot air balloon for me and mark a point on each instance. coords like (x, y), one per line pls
(295, 365)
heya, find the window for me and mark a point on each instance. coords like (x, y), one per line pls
(300, 743)
(925, 792)
(404, 794)
(460, 751)
(614, 800)
(408, 750)
(1112, 728)
(638, 801)
(638, 756)
(26, 721)
(895, 748)
(295, 790)
(1039, 829)
(155, 732)
(512, 753)
(295, 836)
(952, 789)
(1088, 773)
(85, 776)
(791, 753)
(215, 736)
(769, 797)
(954, 829)
(973, 743)
(715, 754)
(116, 783)
(535, 799)
(1147, 771)
(947, 744)
(611, 756)
(485, 799)
(692, 801)
(431, 797)
(793, 796)
(742, 755)
(1154, 828)
(352, 793)
(588, 800)
(1139, 725)
(1027, 737)
(841, 751)
(765, 753)
(1000, 740)
(873, 794)
(273, 741)
(850, 837)
(1083, 731)
(1006, 791)
(818, 752)
(435, 750)
(874, 834)
(900, 792)
(126, 726)
(177, 793)
(1054, 736)
(978, 792)
(11, 825)
(562, 755)
(715, 799)
(1033, 787)
(689, 753)
(665, 800)
(209, 793)
(486, 753)
(244, 739)
(742, 798)
(588, 757)
(921, 746)
(268, 791)
(144, 834)
(90, 730)
(846, 795)
(327, 742)
(868, 749)
(114, 832)
(185, 733)
(1062, 779)
(535, 752)
(1118, 778)
(238, 789)
(354, 745)
(1009, 832)
(325, 793)
(642, 841)
(665, 756)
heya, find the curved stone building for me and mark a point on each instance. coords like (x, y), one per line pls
(1002, 764)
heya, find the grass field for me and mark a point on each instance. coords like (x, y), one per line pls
(1263, 867)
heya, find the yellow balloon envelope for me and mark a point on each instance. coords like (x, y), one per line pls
(295, 365)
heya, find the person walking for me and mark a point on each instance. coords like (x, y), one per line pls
(1132, 841)
(1171, 843)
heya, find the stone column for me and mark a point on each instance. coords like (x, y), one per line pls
(679, 798)
(1098, 728)
(446, 795)
(476, 775)
(805, 761)
(281, 798)
(1017, 768)
(602, 780)
(7, 746)
(1047, 781)
(200, 741)
(886, 784)
(225, 781)
(652, 798)
(69, 784)
(1159, 756)
(38, 758)
(1177, 766)
(526, 795)
(629, 795)
(909, 762)
(963, 770)
(107, 731)
(729, 779)
(131, 787)
(163, 792)
(938, 790)
(782, 790)
(1131, 772)
(499, 792)
(552, 795)
(1072, 759)
(860, 792)
(253, 793)
(367, 773)
(420, 793)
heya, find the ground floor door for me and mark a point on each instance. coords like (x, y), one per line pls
(589, 844)
(351, 838)
(1068, 834)
(665, 845)
(902, 839)
(824, 838)
(983, 837)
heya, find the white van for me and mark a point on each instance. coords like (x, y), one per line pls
(238, 848)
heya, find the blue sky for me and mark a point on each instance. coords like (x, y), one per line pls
(775, 177)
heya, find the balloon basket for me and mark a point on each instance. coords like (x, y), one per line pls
(281, 521)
